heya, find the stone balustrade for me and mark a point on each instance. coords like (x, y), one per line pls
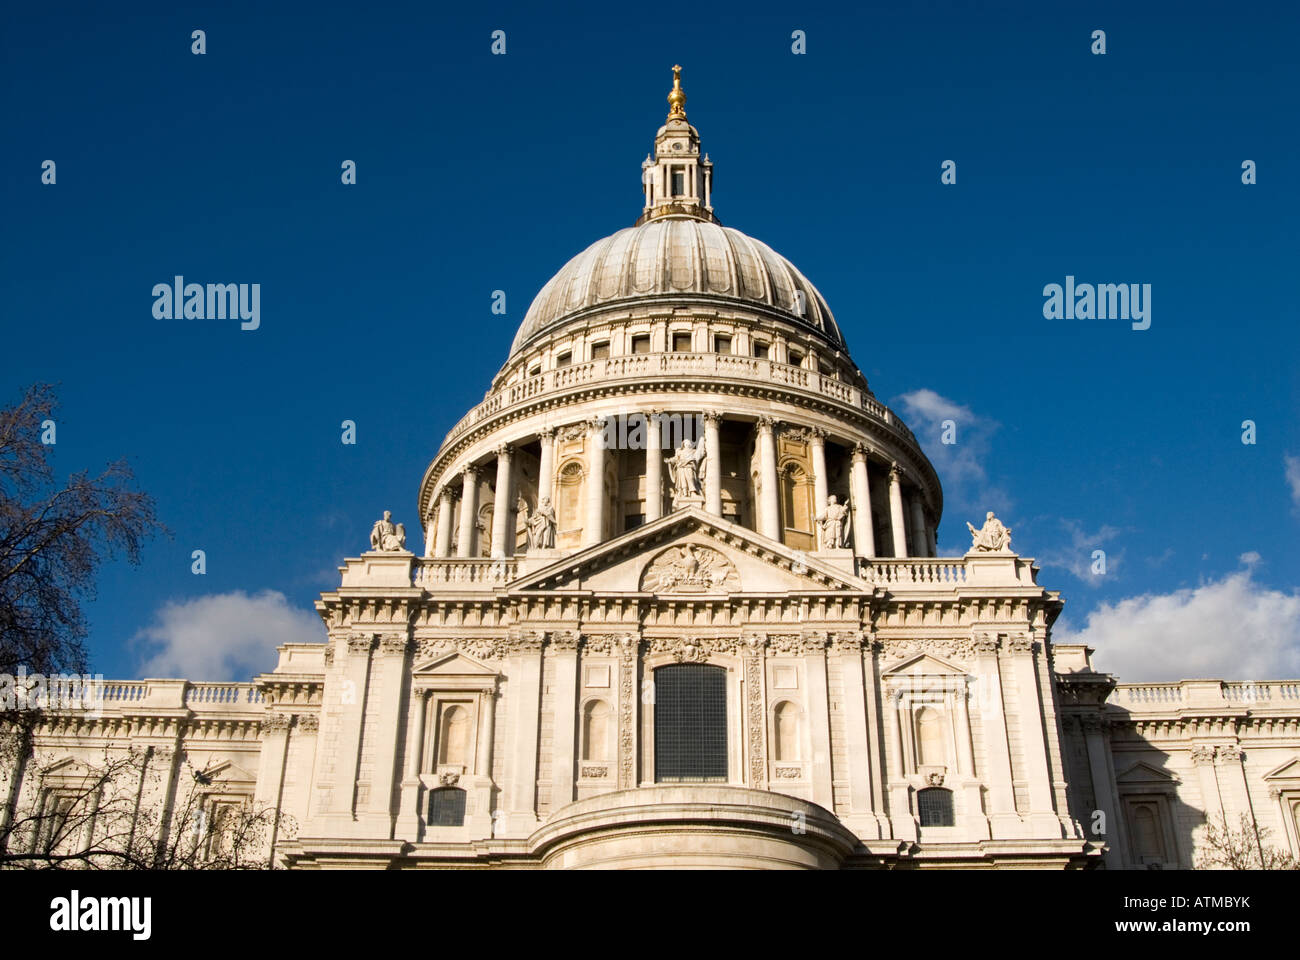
(433, 573)
(1202, 694)
(651, 366)
(144, 695)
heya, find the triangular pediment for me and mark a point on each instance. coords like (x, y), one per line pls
(1287, 771)
(227, 771)
(1144, 773)
(925, 665)
(690, 553)
(452, 664)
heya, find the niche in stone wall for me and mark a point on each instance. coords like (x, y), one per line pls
(568, 509)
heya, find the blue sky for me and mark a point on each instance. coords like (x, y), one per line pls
(479, 172)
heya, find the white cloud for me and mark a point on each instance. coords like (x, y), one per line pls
(1293, 478)
(226, 636)
(967, 489)
(1229, 629)
(1077, 558)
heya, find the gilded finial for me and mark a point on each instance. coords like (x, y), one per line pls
(677, 98)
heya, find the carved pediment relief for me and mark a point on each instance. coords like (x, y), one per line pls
(690, 568)
(689, 551)
(452, 664)
(924, 665)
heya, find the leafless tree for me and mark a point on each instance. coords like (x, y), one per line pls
(113, 814)
(1244, 847)
(53, 538)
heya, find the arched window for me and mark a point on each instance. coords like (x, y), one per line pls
(929, 738)
(595, 731)
(690, 710)
(453, 735)
(447, 807)
(934, 804)
(785, 721)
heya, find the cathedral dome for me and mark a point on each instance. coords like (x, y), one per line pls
(681, 258)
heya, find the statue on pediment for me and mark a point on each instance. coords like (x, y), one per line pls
(541, 526)
(993, 537)
(387, 536)
(833, 525)
(687, 469)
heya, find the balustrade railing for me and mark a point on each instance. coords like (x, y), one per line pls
(433, 572)
(722, 365)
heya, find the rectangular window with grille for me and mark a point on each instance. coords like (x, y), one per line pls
(934, 804)
(690, 710)
(447, 807)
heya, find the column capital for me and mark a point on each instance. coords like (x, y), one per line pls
(817, 435)
(860, 451)
(895, 473)
(1229, 753)
(711, 418)
(504, 450)
(1202, 753)
(546, 433)
(446, 493)
(468, 473)
(766, 423)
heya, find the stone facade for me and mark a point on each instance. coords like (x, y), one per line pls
(679, 604)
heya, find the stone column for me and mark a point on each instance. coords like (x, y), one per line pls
(1207, 779)
(467, 547)
(712, 464)
(347, 751)
(408, 819)
(546, 468)
(1102, 771)
(769, 512)
(920, 545)
(487, 731)
(269, 792)
(654, 468)
(993, 730)
(442, 545)
(502, 545)
(593, 526)
(386, 771)
(864, 537)
(430, 529)
(1033, 744)
(522, 731)
(859, 759)
(563, 647)
(819, 715)
(896, 510)
(820, 486)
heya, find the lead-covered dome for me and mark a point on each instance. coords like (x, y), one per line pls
(681, 258)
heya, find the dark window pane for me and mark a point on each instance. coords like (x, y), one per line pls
(935, 807)
(447, 808)
(690, 723)
(641, 344)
